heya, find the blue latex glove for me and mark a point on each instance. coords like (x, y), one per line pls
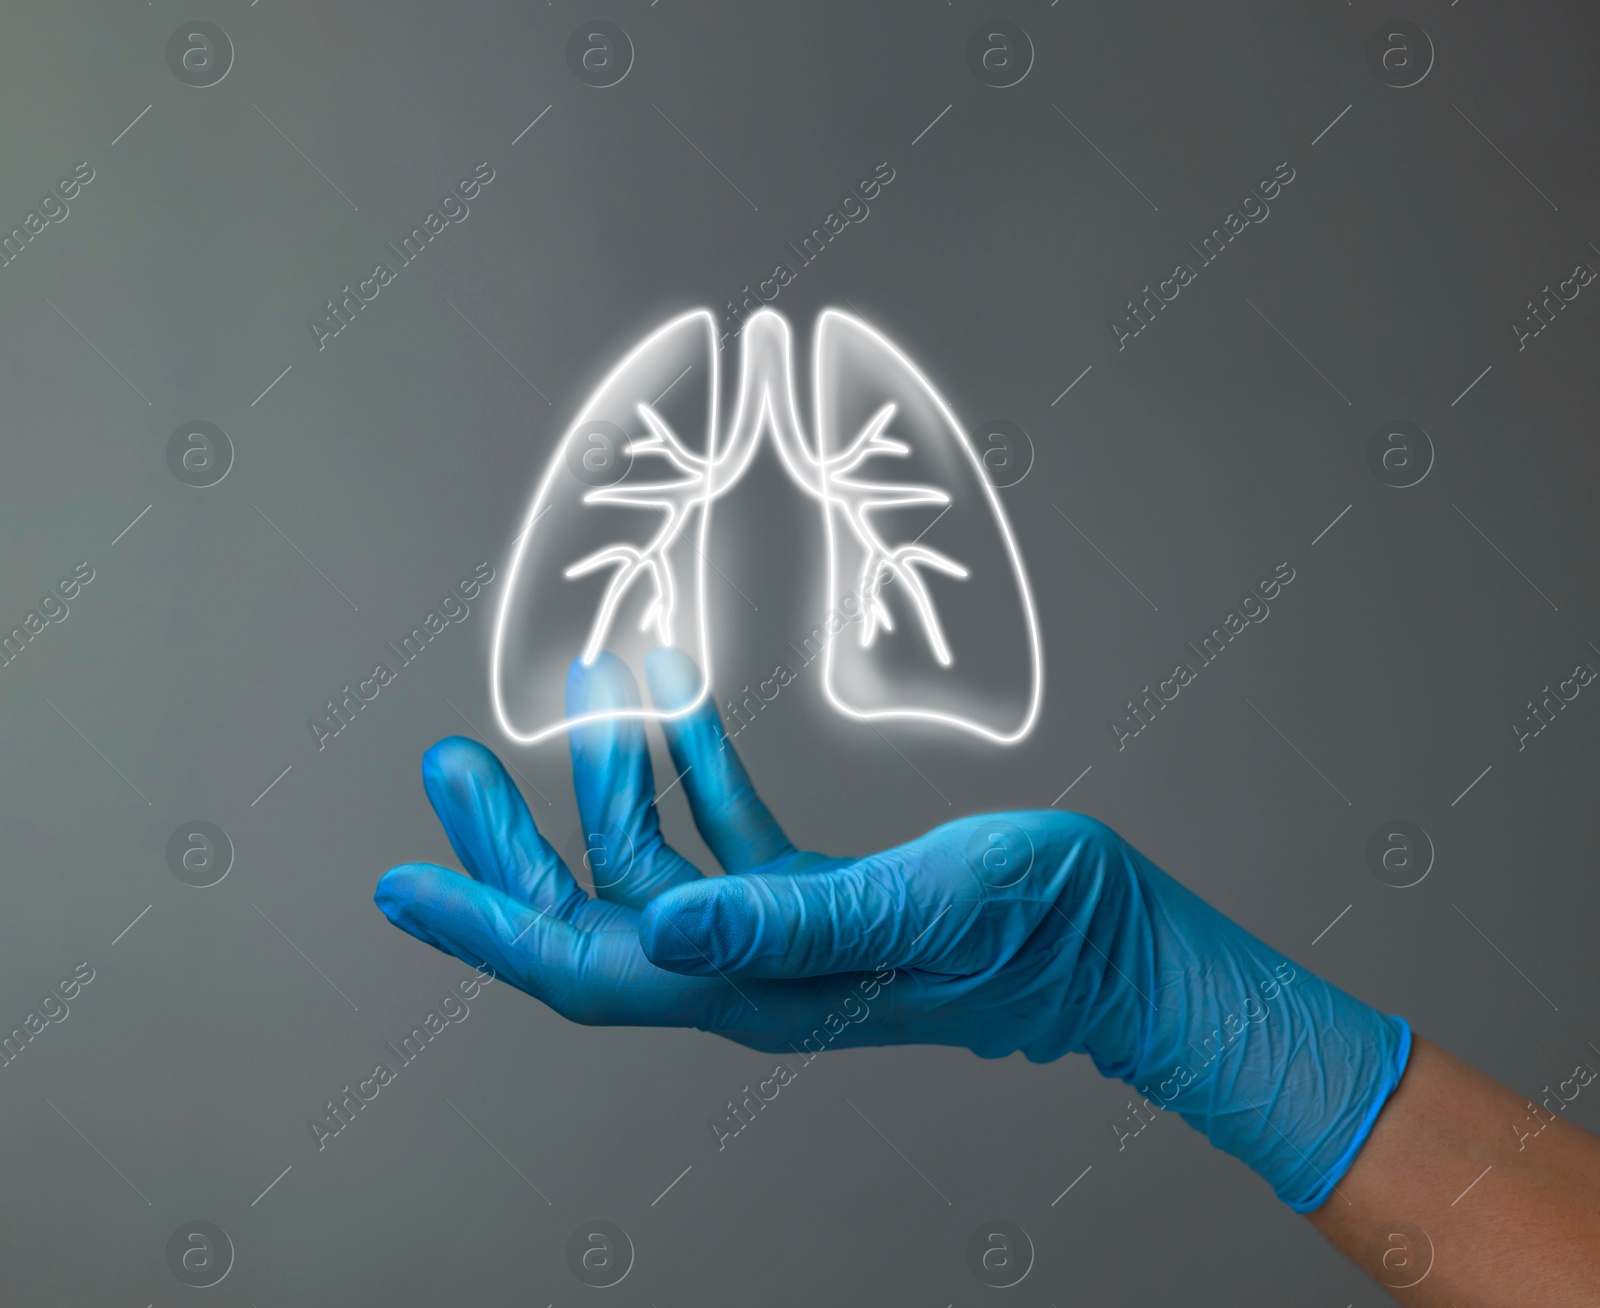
(1043, 932)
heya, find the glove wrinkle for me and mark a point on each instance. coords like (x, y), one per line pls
(1039, 932)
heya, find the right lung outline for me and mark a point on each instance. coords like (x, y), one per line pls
(905, 495)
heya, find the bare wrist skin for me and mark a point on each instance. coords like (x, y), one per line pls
(1460, 1198)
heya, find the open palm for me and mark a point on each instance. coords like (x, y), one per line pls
(990, 932)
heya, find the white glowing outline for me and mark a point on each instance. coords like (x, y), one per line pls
(766, 357)
(897, 560)
(632, 563)
(660, 441)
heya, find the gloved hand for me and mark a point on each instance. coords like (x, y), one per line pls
(1043, 932)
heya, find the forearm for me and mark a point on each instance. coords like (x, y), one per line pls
(1453, 1199)
(1447, 1187)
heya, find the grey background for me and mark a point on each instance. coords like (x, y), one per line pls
(1195, 460)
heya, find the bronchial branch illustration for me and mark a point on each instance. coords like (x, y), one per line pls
(930, 613)
(677, 501)
(882, 564)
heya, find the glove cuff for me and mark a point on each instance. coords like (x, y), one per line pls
(1392, 1068)
(1276, 1066)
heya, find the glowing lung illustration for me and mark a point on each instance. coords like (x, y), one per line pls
(920, 552)
(613, 552)
(938, 621)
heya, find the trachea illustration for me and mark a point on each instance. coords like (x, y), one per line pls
(924, 610)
